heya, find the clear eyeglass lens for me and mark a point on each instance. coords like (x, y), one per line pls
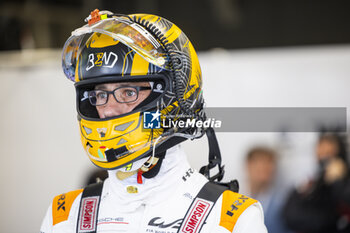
(122, 95)
(101, 97)
(98, 97)
(126, 94)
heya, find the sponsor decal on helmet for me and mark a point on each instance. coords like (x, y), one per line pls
(196, 216)
(88, 214)
(101, 60)
(102, 132)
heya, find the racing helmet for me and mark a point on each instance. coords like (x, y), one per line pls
(133, 48)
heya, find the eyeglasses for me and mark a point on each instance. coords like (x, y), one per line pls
(121, 95)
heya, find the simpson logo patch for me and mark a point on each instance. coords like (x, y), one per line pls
(88, 213)
(196, 216)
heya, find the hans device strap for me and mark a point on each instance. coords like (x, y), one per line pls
(88, 210)
(201, 207)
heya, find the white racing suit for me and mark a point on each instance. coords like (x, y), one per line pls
(166, 203)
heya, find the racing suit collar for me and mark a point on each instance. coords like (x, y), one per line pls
(151, 191)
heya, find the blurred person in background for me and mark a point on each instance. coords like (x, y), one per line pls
(322, 204)
(261, 167)
(128, 71)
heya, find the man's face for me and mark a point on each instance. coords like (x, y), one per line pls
(112, 107)
(326, 149)
(261, 169)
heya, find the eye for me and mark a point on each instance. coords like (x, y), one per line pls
(101, 94)
(130, 92)
(126, 94)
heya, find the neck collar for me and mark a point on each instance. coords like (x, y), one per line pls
(131, 194)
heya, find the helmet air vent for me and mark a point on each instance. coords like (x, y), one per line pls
(123, 126)
(121, 141)
(87, 130)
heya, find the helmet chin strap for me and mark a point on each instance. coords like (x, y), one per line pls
(214, 158)
(148, 165)
(150, 161)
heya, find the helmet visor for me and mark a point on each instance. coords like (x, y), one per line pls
(129, 33)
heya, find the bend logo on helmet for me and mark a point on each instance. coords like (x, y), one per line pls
(101, 59)
(151, 120)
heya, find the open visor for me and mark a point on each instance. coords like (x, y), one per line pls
(129, 33)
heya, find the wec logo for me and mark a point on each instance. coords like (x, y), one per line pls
(158, 222)
(101, 60)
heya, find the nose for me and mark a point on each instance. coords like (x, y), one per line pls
(112, 108)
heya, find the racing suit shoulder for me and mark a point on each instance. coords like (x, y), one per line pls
(251, 220)
(62, 204)
(60, 216)
(236, 208)
(232, 212)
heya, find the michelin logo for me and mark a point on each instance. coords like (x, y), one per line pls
(151, 120)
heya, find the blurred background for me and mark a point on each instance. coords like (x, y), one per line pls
(229, 24)
(252, 54)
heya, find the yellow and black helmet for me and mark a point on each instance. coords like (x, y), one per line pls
(133, 48)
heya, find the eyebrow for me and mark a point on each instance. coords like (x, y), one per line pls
(104, 86)
(124, 84)
(100, 86)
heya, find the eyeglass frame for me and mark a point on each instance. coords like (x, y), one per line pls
(137, 88)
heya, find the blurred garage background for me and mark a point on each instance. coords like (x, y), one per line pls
(252, 54)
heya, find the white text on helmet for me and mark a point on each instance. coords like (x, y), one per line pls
(101, 60)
